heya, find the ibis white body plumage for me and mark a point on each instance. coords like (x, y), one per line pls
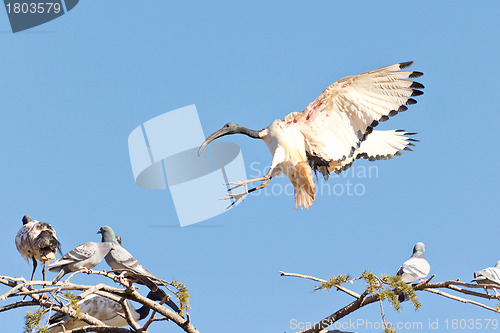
(37, 241)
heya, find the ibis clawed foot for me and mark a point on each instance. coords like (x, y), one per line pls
(235, 197)
(240, 183)
(238, 196)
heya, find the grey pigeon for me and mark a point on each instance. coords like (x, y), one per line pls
(121, 261)
(37, 241)
(83, 257)
(414, 269)
(490, 275)
(102, 308)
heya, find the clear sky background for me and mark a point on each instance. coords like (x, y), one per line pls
(73, 89)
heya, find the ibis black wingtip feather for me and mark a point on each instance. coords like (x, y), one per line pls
(406, 64)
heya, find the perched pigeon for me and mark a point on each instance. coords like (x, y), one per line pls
(102, 308)
(414, 269)
(121, 261)
(490, 275)
(37, 241)
(83, 257)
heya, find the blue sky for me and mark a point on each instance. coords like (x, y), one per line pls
(74, 88)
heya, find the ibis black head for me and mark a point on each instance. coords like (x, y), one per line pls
(26, 219)
(229, 128)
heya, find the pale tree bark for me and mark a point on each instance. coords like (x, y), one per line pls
(46, 295)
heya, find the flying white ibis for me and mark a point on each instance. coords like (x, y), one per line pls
(334, 130)
(37, 241)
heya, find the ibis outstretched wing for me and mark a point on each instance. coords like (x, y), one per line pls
(378, 145)
(340, 119)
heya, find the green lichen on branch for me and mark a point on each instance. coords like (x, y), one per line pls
(372, 282)
(387, 287)
(392, 297)
(335, 281)
(398, 286)
(73, 301)
(182, 294)
(32, 321)
(389, 330)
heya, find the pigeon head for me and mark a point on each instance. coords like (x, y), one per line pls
(498, 264)
(108, 235)
(419, 250)
(26, 219)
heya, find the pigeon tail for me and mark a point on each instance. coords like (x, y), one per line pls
(173, 306)
(158, 295)
(58, 317)
(59, 276)
(403, 297)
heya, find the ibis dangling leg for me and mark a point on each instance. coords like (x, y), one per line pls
(237, 196)
(240, 183)
(44, 269)
(34, 268)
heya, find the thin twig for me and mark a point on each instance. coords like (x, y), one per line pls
(17, 305)
(128, 315)
(339, 287)
(152, 317)
(460, 299)
(381, 306)
(11, 291)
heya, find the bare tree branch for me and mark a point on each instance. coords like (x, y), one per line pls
(17, 305)
(128, 315)
(152, 317)
(99, 330)
(460, 299)
(38, 290)
(381, 293)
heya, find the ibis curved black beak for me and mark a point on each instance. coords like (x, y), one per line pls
(100, 231)
(223, 131)
(229, 128)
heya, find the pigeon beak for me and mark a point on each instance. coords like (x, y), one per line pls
(100, 231)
